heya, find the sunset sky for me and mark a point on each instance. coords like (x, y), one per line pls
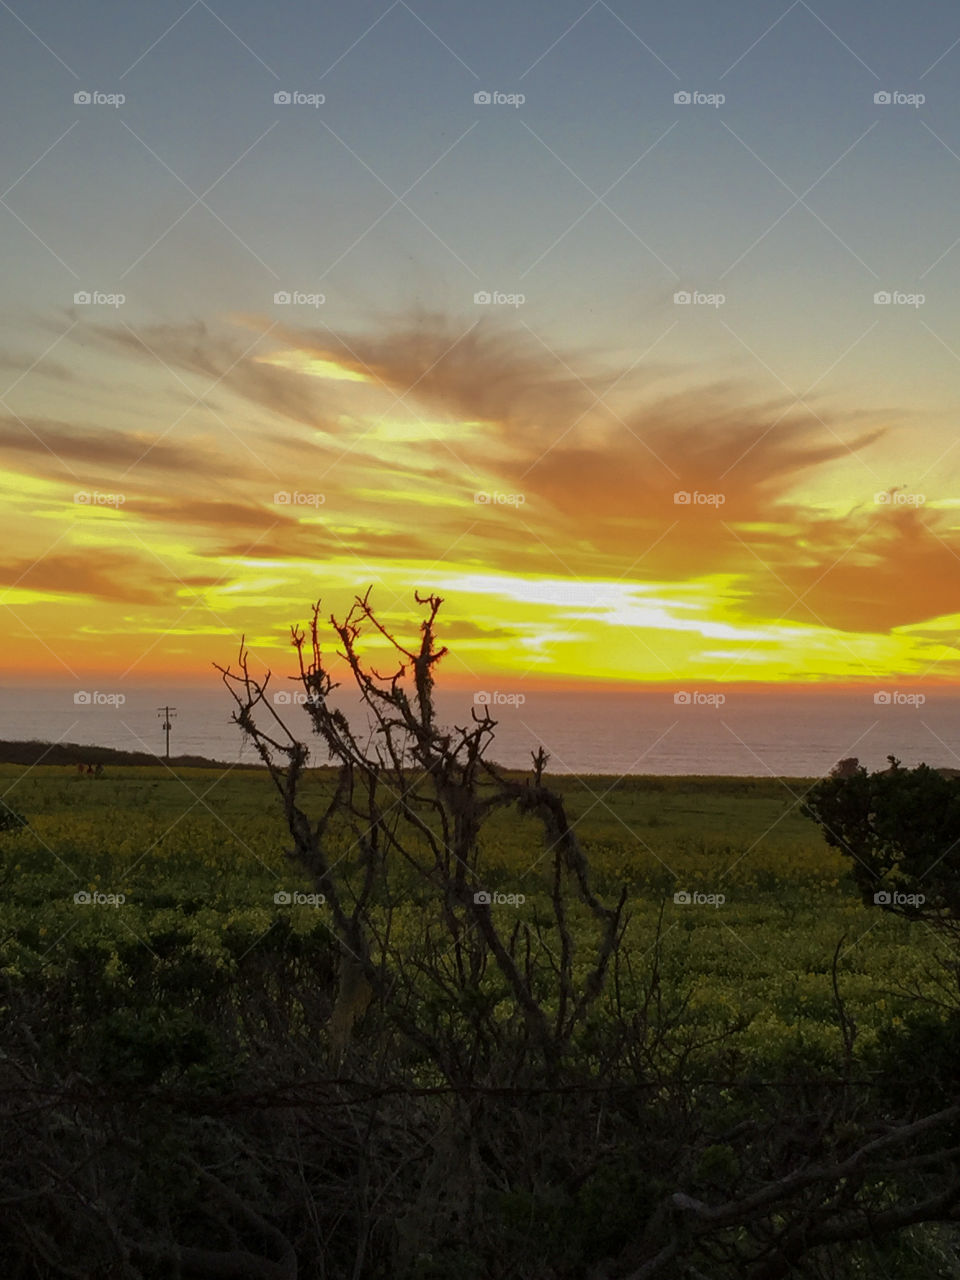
(201, 459)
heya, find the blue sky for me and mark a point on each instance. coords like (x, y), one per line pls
(497, 205)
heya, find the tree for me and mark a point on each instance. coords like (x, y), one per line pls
(845, 768)
(414, 796)
(900, 828)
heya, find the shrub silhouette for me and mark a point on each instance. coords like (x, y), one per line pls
(900, 828)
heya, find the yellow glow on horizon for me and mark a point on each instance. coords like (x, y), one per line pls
(314, 366)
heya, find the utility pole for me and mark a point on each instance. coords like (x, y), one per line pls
(167, 712)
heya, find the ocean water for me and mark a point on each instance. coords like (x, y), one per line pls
(790, 734)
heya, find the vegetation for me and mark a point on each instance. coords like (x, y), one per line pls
(73, 753)
(426, 1017)
(901, 830)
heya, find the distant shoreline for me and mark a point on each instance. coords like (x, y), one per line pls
(35, 751)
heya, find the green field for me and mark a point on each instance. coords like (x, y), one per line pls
(198, 856)
(196, 1081)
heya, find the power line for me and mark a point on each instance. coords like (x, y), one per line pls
(167, 712)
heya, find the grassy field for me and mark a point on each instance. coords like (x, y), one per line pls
(198, 857)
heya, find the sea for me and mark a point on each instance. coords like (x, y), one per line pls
(801, 732)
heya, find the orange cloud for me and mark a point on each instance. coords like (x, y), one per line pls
(581, 468)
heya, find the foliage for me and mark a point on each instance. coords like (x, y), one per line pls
(900, 828)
